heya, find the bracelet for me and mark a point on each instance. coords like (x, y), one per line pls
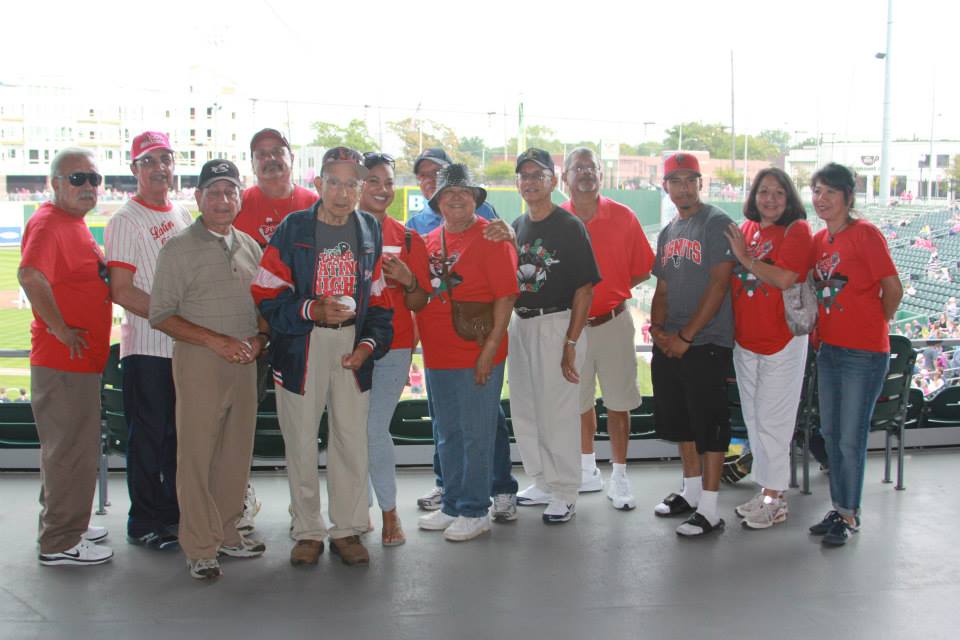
(266, 337)
(413, 286)
(570, 342)
(680, 335)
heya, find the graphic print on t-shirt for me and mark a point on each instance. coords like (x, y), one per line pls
(679, 248)
(533, 263)
(336, 271)
(751, 283)
(437, 285)
(267, 229)
(827, 282)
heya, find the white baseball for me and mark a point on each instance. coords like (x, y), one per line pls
(348, 302)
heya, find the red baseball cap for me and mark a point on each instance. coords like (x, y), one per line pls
(147, 142)
(680, 162)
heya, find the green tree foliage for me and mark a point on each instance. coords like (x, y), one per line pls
(354, 135)
(499, 172)
(433, 134)
(473, 145)
(715, 138)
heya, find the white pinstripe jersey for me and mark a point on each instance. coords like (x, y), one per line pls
(132, 240)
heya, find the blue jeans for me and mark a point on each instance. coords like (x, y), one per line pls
(466, 429)
(849, 382)
(502, 480)
(389, 377)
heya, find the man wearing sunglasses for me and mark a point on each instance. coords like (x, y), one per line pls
(625, 260)
(503, 484)
(132, 240)
(264, 206)
(63, 273)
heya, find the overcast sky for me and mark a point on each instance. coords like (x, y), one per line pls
(593, 69)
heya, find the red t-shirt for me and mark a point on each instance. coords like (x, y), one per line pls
(260, 215)
(394, 235)
(847, 275)
(61, 247)
(480, 271)
(621, 249)
(761, 324)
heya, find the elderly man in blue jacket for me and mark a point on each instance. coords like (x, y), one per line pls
(319, 287)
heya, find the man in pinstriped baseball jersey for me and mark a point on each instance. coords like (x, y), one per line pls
(133, 239)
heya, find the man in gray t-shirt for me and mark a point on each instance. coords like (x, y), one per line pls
(692, 329)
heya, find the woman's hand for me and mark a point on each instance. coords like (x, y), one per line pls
(738, 245)
(484, 365)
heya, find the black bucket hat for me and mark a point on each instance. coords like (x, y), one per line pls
(457, 175)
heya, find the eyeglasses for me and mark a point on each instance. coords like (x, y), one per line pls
(79, 178)
(579, 169)
(373, 158)
(532, 177)
(150, 161)
(274, 152)
(336, 184)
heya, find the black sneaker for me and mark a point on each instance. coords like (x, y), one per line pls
(157, 541)
(838, 534)
(822, 527)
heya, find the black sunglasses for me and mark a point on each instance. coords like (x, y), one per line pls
(373, 158)
(78, 178)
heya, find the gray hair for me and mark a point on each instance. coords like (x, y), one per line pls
(69, 152)
(579, 151)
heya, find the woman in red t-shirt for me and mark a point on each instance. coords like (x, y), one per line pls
(859, 291)
(773, 249)
(465, 376)
(406, 280)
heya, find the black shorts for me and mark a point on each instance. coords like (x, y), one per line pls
(690, 402)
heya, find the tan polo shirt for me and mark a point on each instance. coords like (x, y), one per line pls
(203, 280)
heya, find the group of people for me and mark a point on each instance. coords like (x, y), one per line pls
(334, 295)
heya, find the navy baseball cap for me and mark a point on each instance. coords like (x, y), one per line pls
(435, 154)
(344, 155)
(537, 156)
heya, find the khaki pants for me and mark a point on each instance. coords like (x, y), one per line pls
(66, 406)
(216, 420)
(544, 404)
(327, 384)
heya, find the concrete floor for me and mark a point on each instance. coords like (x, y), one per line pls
(607, 574)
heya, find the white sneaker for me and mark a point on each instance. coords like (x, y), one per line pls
(504, 507)
(620, 494)
(248, 548)
(533, 496)
(431, 501)
(558, 511)
(95, 534)
(464, 528)
(204, 568)
(749, 506)
(590, 480)
(435, 521)
(82, 553)
(767, 515)
(251, 507)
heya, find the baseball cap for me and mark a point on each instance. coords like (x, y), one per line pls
(434, 154)
(268, 133)
(215, 170)
(537, 156)
(344, 155)
(147, 142)
(680, 162)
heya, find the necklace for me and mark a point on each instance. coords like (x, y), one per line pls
(832, 236)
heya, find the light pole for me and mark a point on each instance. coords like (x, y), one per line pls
(885, 144)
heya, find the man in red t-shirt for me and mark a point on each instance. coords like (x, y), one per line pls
(625, 259)
(63, 273)
(263, 207)
(275, 195)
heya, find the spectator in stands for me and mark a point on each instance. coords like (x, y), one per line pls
(407, 277)
(63, 273)
(201, 298)
(132, 240)
(859, 290)
(773, 250)
(692, 327)
(465, 362)
(951, 308)
(23, 396)
(3, 395)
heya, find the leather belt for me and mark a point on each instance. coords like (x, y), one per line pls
(596, 321)
(347, 323)
(533, 312)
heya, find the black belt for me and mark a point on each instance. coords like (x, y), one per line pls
(596, 321)
(346, 323)
(529, 312)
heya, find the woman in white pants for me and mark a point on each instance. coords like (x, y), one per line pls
(773, 248)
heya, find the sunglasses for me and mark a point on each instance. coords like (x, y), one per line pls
(78, 178)
(373, 158)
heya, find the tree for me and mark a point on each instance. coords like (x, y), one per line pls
(729, 176)
(801, 178)
(777, 137)
(355, 135)
(412, 132)
(473, 146)
(499, 172)
(649, 149)
(715, 138)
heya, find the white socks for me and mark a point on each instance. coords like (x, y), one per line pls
(619, 470)
(588, 461)
(708, 506)
(692, 488)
